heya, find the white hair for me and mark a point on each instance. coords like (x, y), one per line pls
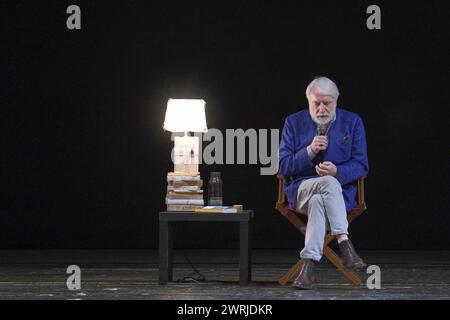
(323, 85)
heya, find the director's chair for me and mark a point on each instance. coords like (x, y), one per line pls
(294, 217)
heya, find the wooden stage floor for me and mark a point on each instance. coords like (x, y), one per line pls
(133, 274)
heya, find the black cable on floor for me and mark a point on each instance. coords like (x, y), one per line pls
(195, 276)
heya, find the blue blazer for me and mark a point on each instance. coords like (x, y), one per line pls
(347, 149)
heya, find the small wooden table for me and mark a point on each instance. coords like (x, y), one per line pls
(166, 220)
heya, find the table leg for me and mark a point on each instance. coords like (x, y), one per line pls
(165, 252)
(244, 252)
(250, 247)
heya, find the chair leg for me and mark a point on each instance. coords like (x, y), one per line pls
(291, 274)
(353, 277)
(334, 258)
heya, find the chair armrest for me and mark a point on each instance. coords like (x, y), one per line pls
(361, 195)
(281, 181)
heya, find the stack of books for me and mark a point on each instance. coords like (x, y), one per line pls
(184, 192)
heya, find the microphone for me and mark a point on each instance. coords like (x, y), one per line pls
(321, 131)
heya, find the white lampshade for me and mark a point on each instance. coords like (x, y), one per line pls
(184, 115)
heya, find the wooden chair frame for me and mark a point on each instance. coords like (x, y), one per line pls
(294, 217)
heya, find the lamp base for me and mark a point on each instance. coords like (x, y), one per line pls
(186, 155)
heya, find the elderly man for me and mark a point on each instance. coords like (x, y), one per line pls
(322, 154)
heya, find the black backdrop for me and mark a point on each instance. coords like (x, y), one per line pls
(83, 153)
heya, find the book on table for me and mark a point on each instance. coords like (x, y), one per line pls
(217, 209)
(185, 188)
(197, 202)
(172, 176)
(183, 207)
(184, 195)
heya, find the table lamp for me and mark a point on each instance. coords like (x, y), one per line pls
(186, 115)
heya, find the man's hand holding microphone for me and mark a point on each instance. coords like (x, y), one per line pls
(319, 143)
(326, 168)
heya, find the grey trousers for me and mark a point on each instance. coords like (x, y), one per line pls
(322, 201)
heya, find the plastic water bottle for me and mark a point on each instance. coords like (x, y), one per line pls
(215, 189)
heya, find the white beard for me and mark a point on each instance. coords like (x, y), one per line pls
(323, 120)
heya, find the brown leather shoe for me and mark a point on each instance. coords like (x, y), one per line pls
(305, 278)
(349, 257)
